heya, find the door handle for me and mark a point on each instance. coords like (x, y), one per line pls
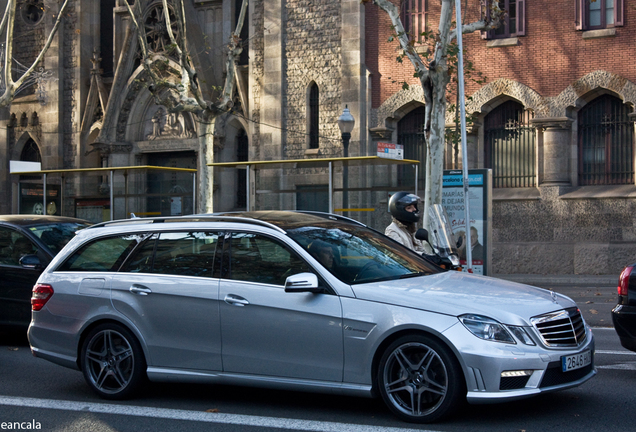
(140, 290)
(235, 300)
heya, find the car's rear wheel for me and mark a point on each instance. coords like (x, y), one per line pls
(419, 379)
(112, 361)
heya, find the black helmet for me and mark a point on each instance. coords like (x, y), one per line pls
(397, 204)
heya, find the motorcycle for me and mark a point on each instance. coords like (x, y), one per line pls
(441, 239)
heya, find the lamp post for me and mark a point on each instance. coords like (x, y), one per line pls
(345, 123)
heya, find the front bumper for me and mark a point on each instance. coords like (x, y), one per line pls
(484, 362)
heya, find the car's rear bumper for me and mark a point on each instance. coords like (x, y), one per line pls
(624, 319)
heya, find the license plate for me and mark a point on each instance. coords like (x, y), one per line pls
(576, 361)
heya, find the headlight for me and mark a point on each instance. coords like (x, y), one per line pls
(521, 334)
(486, 328)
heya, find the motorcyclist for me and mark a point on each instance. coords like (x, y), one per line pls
(405, 215)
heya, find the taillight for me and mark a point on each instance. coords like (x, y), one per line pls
(623, 281)
(41, 294)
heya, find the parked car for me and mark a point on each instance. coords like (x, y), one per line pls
(624, 313)
(27, 244)
(298, 301)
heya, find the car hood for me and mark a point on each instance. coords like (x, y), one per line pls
(457, 293)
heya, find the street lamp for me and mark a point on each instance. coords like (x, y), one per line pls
(345, 123)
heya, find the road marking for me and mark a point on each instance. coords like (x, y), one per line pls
(621, 366)
(615, 352)
(198, 416)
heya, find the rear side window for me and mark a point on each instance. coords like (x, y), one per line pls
(177, 253)
(256, 258)
(102, 255)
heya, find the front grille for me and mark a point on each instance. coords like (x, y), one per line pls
(565, 328)
(554, 375)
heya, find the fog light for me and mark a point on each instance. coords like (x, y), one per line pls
(519, 373)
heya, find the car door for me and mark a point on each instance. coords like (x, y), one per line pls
(17, 281)
(267, 331)
(167, 289)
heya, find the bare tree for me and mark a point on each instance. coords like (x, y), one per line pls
(10, 86)
(186, 95)
(434, 72)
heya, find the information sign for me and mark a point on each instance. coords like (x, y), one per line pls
(390, 151)
(480, 209)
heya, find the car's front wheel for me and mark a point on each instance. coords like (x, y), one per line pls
(419, 379)
(112, 361)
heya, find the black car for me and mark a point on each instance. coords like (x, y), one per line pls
(624, 314)
(27, 244)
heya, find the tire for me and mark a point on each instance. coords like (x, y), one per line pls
(420, 379)
(113, 362)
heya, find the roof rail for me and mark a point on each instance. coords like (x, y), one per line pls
(331, 216)
(191, 218)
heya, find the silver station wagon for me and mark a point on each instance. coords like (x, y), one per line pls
(299, 301)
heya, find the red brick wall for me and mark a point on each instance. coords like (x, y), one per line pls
(549, 58)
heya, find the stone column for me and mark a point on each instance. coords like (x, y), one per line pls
(557, 137)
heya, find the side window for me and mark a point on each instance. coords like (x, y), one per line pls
(513, 23)
(177, 253)
(598, 14)
(257, 258)
(105, 254)
(14, 246)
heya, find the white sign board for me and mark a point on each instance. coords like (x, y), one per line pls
(390, 151)
(21, 166)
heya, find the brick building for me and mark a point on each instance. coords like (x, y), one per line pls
(554, 119)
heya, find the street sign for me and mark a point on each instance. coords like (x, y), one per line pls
(390, 150)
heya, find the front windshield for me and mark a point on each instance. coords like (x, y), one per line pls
(356, 254)
(56, 235)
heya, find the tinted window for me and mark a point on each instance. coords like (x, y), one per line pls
(189, 254)
(14, 246)
(257, 258)
(55, 236)
(105, 254)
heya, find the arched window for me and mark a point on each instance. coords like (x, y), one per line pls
(31, 152)
(606, 143)
(411, 135)
(510, 146)
(314, 117)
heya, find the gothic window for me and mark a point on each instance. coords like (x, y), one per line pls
(106, 35)
(510, 146)
(156, 31)
(413, 15)
(30, 152)
(598, 14)
(32, 11)
(314, 118)
(606, 143)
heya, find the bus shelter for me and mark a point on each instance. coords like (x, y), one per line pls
(346, 185)
(102, 194)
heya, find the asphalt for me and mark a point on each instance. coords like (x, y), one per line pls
(595, 295)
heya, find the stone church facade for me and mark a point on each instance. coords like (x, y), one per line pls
(551, 86)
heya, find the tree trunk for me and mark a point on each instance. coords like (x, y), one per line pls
(207, 124)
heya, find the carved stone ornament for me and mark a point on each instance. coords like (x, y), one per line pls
(167, 125)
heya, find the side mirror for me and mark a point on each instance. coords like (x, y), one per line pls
(302, 282)
(31, 262)
(421, 234)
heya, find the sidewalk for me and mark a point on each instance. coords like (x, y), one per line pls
(594, 294)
